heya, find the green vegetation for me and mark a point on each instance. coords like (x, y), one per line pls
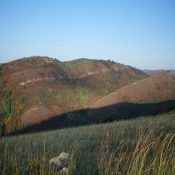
(133, 147)
(74, 119)
(7, 108)
(70, 66)
(84, 61)
(66, 97)
(6, 105)
(54, 64)
(10, 110)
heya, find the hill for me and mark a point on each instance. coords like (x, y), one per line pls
(35, 89)
(152, 94)
(155, 72)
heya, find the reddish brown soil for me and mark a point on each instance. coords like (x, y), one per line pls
(153, 89)
(39, 88)
(39, 114)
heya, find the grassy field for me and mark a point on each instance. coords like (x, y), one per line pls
(133, 147)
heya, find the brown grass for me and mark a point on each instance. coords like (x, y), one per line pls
(152, 89)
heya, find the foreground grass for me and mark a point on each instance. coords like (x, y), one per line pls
(133, 147)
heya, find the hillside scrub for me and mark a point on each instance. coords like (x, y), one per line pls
(138, 146)
(46, 81)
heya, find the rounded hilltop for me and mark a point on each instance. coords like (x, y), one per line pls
(35, 89)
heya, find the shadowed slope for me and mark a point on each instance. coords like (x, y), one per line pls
(109, 113)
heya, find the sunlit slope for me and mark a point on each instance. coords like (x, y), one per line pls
(149, 96)
(153, 89)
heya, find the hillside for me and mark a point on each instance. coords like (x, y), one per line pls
(35, 89)
(154, 94)
(128, 147)
(156, 72)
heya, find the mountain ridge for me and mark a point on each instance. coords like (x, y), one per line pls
(43, 83)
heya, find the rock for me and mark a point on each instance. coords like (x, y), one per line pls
(63, 156)
(64, 171)
(56, 163)
(60, 162)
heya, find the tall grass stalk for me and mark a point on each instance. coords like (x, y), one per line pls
(136, 147)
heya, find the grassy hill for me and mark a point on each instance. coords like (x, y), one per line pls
(139, 146)
(35, 89)
(152, 89)
(156, 72)
(145, 97)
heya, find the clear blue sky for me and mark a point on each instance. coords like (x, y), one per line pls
(138, 33)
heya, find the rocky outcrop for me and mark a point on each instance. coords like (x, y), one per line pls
(60, 163)
(37, 80)
(34, 80)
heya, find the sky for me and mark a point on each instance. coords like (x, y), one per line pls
(140, 33)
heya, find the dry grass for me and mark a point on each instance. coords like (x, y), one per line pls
(135, 147)
(149, 90)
